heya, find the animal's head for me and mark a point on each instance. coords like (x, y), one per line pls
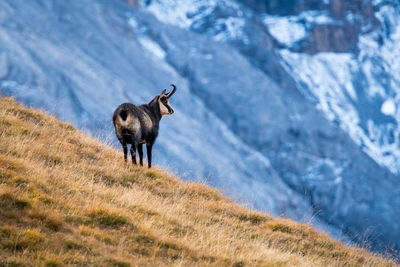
(163, 101)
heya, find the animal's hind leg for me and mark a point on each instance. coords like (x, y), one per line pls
(133, 152)
(140, 150)
(125, 148)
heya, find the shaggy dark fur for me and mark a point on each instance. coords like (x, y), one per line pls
(138, 125)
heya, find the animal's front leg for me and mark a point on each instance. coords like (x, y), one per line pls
(149, 148)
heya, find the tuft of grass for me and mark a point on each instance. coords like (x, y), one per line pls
(52, 263)
(10, 200)
(28, 239)
(145, 240)
(238, 264)
(170, 245)
(26, 115)
(69, 200)
(48, 200)
(106, 218)
(12, 263)
(253, 218)
(117, 263)
(151, 174)
(284, 228)
(71, 244)
(51, 221)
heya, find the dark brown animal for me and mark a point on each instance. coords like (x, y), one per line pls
(138, 125)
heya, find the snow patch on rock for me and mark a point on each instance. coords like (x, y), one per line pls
(389, 107)
(153, 47)
(290, 29)
(184, 14)
(286, 30)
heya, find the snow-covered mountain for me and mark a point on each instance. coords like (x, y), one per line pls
(288, 106)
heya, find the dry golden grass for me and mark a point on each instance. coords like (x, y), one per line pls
(67, 199)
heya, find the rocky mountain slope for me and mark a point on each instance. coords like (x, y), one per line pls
(288, 107)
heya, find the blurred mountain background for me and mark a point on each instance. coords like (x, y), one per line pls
(290, 107)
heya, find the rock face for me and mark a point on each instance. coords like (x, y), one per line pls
(290, 108)
(284, 8)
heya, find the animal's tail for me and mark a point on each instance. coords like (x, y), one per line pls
(123, 117)
(123, 114)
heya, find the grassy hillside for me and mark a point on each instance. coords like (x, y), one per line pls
(67, 199)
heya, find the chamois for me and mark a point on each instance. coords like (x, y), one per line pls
(137, 125)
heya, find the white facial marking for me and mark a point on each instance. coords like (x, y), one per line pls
(163, 108)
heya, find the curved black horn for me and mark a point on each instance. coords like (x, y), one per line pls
(173, 91)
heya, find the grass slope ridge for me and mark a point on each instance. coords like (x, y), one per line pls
(67, 199)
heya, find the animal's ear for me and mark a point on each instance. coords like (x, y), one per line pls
(163, 92)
